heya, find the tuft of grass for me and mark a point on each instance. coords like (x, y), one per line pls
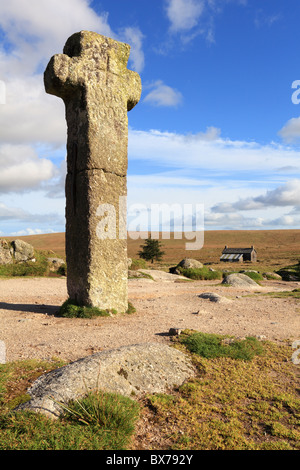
(131, 309)
(212, 346)
(110, 411)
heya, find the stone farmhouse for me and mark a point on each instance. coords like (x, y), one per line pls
(239, 255)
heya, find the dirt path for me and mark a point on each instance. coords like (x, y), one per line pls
(30, 329)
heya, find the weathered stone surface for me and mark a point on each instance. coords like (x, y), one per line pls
(97, 266)
(129, 370)
(92, 78)
(22, 251)
(240, 280)
(18, 251)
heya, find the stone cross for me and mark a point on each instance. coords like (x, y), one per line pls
(92, 78)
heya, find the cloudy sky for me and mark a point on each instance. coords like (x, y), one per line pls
(217, 124)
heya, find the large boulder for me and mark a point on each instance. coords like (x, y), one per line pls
(128, 370)
(189, 263)
(240, 280)
(22, 251)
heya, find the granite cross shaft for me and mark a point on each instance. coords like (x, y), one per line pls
(92, 78)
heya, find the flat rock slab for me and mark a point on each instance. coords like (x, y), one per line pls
(129, 370)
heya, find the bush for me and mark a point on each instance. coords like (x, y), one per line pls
(212, 346)
(199, 273)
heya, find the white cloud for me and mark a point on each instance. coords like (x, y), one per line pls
(30, 115)
(134, 37)
(28, 231)
(163, 95)
(291, 131)
(262, 19)
(190, 18)
(37, 29)
(208, 150)
(283, 196)
(22, 169)
(184, 14)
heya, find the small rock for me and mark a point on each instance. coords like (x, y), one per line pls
(175, 331)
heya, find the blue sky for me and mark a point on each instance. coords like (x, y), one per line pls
(217, 124)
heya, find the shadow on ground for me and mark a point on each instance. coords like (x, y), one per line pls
(33, 308)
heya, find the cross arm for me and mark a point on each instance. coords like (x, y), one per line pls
(60, 76)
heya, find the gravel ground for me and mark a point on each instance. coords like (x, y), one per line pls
(30, 329)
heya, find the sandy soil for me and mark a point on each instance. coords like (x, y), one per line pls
(30, 329)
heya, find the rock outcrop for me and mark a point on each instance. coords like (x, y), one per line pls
(128, 370)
